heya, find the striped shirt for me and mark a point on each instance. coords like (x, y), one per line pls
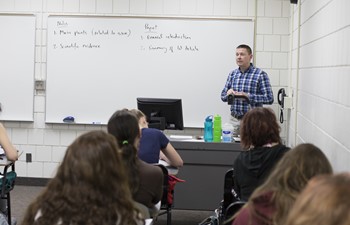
(254, 82)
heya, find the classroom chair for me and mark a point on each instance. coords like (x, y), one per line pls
(165, 205)
(232, 209)
(230, 196)
(7, 183)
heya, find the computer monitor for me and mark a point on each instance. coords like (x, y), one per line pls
(162, 113)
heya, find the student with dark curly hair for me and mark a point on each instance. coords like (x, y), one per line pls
(262, 149)
(90, 187)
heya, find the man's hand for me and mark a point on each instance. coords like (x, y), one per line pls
(242, 94)
(230, 92)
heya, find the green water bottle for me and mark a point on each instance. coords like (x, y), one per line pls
(217, 128)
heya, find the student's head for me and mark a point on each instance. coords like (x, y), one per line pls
(89, 156)
(325, 201)
(259, 126)
(123, 125)
(141, 117)
(90, 186)
(291, 175)
(243, 56)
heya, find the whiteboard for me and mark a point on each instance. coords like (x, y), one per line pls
(17, 38)
(97, 65)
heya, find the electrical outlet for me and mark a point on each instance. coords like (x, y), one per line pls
(29, 157)
(40, 85)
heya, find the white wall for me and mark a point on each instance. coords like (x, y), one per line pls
(47, 143)
(321, 83)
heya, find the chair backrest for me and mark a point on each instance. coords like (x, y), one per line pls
(230, 196)
(232, 209)
(228, 184)
(165, 206)
(164, 200)
(7, 180)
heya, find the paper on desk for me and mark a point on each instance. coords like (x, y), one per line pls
(181, 137)
(194, 140)
(237, 139)
(172, 170)
(164, 163)
(3, 159)
(148, 221)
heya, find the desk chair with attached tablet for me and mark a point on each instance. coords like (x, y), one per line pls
(7, 183)
(169, 181)
(165, 206)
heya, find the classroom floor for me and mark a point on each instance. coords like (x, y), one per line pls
(22, 196)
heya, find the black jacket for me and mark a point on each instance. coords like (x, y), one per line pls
(252, 167)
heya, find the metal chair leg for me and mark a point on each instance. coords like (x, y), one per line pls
(8, 208)
(169, 216)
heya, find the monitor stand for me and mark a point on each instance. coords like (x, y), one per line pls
(157, 123)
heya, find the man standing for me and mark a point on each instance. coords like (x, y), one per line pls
(250, 86)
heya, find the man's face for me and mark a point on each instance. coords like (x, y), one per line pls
(243, 58)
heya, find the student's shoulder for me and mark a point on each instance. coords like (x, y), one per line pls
(153, 131)
(150, 131)
(149, 167)
(281, 149)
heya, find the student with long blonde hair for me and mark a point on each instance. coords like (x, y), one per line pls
(90, 187)
(271, 202)
(325, 201)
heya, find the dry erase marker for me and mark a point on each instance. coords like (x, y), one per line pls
(96, 122)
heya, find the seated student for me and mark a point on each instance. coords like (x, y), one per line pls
(263, 148)
(9, 150)
(12, 155)
(145, 180)
(325, 201)
(154, 145)
(90, 187)
(271, 202)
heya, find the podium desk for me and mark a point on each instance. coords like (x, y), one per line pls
(205, 165)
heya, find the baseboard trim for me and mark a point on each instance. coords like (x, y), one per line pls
(32, 181)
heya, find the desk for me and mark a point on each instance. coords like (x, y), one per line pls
(171, 170)
(205, 165)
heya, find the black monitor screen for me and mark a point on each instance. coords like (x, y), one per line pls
(162, 113)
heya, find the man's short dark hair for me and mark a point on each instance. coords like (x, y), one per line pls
(249, 50)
